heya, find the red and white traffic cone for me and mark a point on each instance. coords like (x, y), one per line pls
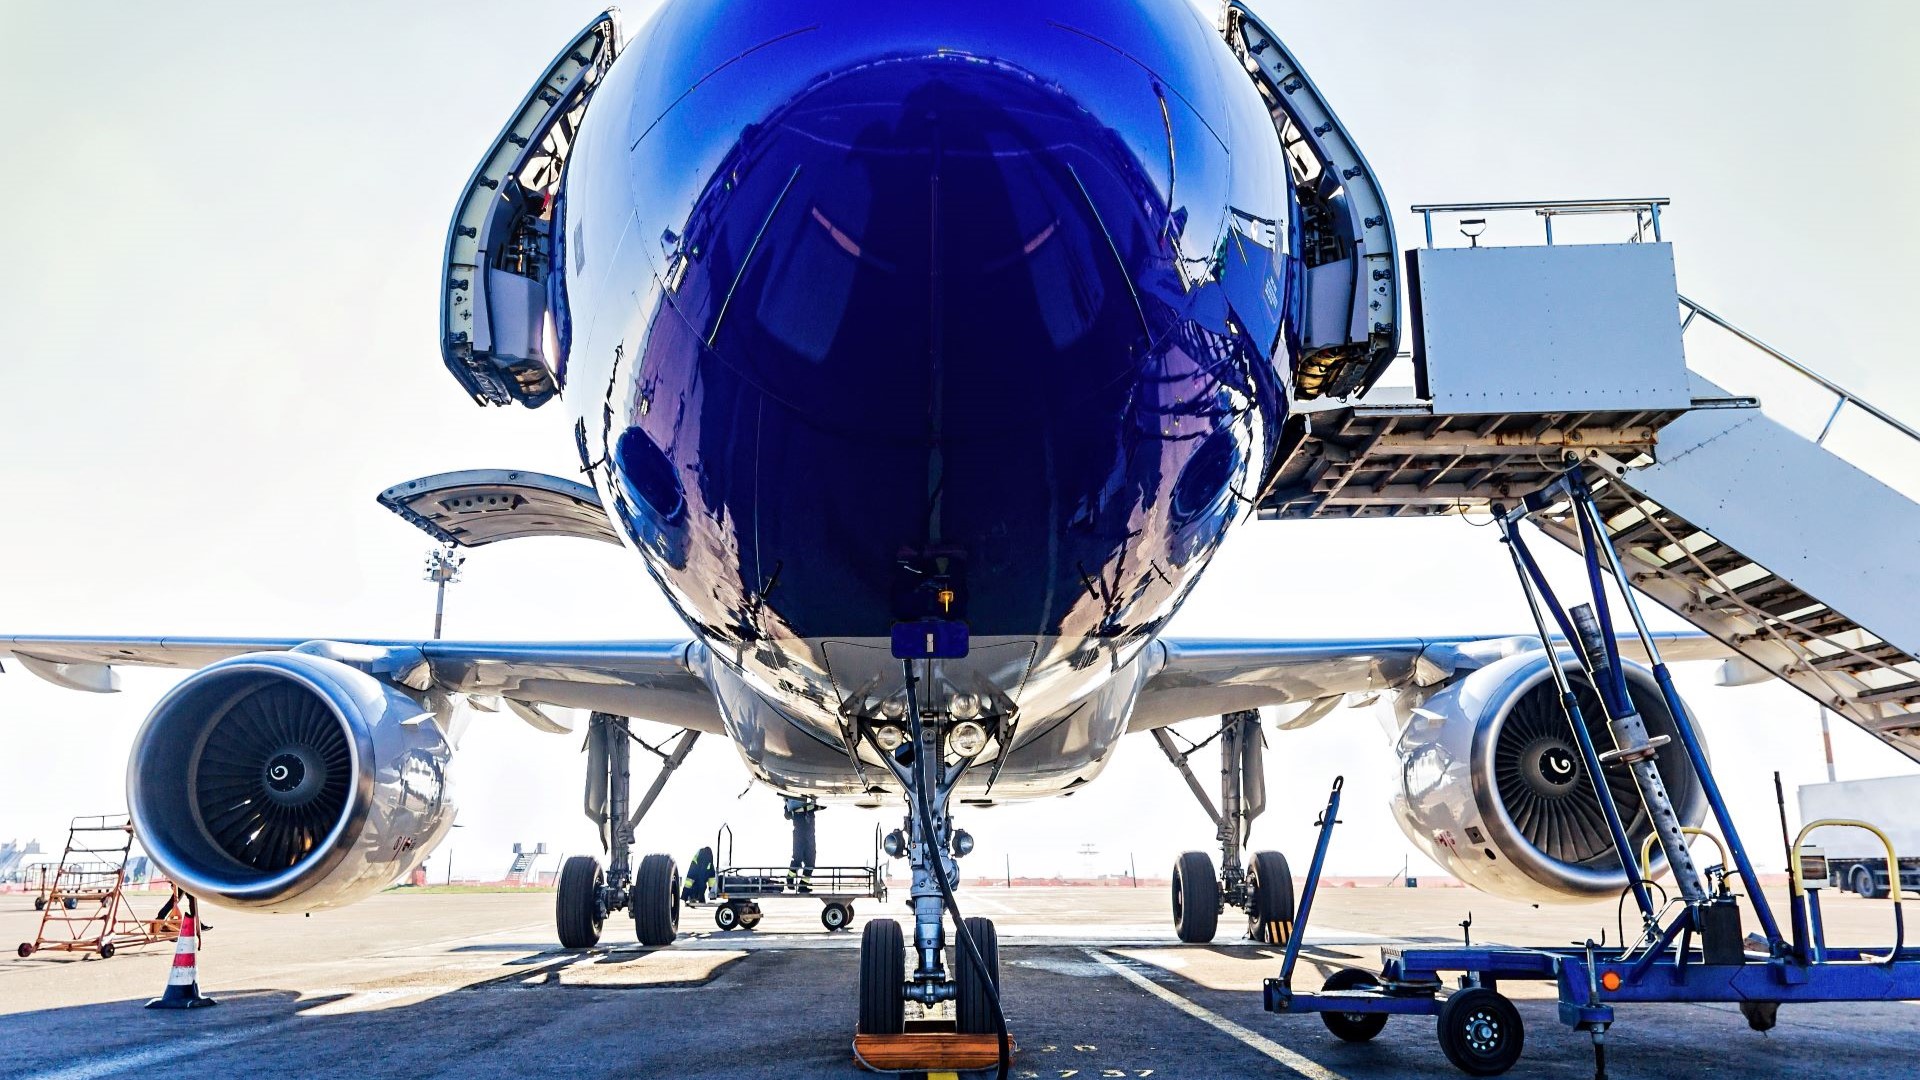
(183, 979)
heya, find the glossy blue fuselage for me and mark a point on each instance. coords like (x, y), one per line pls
(865, 294)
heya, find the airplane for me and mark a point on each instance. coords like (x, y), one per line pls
(925, 354)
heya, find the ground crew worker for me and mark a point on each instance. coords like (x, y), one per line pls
(800, 811)
(699, 878)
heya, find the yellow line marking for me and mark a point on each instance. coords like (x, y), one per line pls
(1306, 1067)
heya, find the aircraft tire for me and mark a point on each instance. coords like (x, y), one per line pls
(883, 978)
(1196, 898)
(973, 1004)
(1271, 912)
(655, 900)
(576, 906)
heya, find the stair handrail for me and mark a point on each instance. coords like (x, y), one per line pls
(1842, 394)
(1646, 212)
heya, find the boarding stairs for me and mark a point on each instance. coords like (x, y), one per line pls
(522, 864)
(1532, 358)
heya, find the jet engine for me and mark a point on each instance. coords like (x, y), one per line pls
(1493, 788)
(288, 781)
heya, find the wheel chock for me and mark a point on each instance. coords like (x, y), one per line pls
(927, 1051)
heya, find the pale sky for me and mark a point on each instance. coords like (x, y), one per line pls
(219, 305)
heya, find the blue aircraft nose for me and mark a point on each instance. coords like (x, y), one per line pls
(884, 283)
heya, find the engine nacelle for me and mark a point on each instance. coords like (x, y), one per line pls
(288, 781)
(1493, 788)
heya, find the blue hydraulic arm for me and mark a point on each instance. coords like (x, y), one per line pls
(1532, 579)
(1590, 520)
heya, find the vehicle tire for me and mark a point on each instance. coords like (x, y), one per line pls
(1270, 881)
(1480, 1032)
(70, 902)
(1196, 898)
(973, 1003)
(750, 916)
(39, 903)
(726, 917)
(655, 901)
(106, 950)
(25, 950)
(1352, 1027)
(883, 979)
(836, 916)
(1862, 881)
(577, 906)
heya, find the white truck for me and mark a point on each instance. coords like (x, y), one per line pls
(1856, 860)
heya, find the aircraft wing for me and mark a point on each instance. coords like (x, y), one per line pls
(1189, 678)
(649, 680)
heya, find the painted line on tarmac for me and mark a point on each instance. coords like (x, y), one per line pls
(1299, 1063)
(132, 1059)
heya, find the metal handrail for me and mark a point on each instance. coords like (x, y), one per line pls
(1645, 211)
(1543, 204)
(1845, 396)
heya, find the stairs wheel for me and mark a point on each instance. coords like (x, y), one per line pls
(1352, 1027)
(1480, 1031)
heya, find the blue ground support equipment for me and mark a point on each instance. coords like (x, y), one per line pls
(1478, 1028)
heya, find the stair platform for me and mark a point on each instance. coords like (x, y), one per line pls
(1527, 360)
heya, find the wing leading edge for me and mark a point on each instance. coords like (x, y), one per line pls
(1189, 678)
(649, 680)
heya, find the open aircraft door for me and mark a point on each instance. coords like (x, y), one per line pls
(1352, 326)
(502, 326)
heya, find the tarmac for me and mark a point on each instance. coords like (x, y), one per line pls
(425, 984)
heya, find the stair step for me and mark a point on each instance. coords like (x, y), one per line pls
(1905, 693)
(1852, 662)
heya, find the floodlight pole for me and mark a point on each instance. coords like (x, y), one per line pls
(443, 569)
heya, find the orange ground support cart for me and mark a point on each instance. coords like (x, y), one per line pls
(87, 908)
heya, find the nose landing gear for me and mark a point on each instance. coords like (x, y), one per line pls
(920, 764)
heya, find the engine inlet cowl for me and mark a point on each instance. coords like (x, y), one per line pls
(287, 781)
(1495, 789)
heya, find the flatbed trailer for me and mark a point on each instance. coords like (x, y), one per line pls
(738, 890)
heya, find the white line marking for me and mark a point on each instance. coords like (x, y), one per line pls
(1306, 1067)
(135, 1059)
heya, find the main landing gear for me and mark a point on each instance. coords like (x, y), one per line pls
(1263, 887)
(588, 893)
(921, 763)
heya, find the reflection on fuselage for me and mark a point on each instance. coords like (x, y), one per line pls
(862, 294)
